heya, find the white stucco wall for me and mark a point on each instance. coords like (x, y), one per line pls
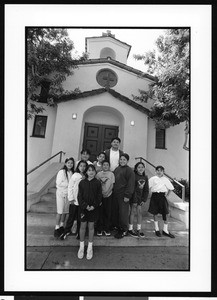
(174, 158)
(69, 133)
(39, 149)
(129, 83)
(94, 46)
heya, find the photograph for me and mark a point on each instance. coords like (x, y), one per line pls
(108, 133)
(97, 138)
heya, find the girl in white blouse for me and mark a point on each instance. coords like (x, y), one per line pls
(62, 181)
(73, 199)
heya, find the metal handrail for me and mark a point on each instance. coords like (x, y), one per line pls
(182, 186)
(59, 153)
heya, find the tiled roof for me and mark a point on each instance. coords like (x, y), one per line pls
(118, 64)
(101, 91)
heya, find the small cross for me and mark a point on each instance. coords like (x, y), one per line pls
(108, 80)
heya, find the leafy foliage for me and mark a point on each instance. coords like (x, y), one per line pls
(171, 91)
(49, 59)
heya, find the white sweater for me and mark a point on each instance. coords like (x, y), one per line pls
(73, 187)
(62, 182)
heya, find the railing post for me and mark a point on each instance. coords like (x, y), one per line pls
(60, 156)
(183, 193)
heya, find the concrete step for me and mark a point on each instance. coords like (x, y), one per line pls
(40, 228)
(47, 204)
(40, 185)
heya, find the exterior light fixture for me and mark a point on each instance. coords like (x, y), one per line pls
(132, 123)
(74, 116)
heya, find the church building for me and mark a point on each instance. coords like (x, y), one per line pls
(105, 108)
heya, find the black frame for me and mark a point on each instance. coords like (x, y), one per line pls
(160, 138)
(44, 125)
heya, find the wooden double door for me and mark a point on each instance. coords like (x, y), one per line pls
(97, 138)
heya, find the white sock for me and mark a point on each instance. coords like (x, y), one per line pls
(57, 226)
(61, 224)
(130, 226)
(90, 246)
(166, 228)
(82, 244)
(138, 226)
(156, 225)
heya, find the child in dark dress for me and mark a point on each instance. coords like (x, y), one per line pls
(89, 199)
(139, 197)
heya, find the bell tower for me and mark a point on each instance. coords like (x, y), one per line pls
(107, 47)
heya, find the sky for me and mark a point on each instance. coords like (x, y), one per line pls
(140, 40)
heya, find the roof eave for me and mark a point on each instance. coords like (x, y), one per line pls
(100, 91)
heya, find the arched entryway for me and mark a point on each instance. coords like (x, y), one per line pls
(100, 125)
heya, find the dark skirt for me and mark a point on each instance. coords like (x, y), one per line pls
(158, 204)
(88, 216)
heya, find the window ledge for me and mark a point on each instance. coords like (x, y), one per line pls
(35, 136)
(161, 148)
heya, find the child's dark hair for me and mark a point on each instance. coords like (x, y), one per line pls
(125, 155)
(116, 138)
(136, 166)
(65, 168)
(101, 153)
(106, 161)
(159, 167)
(90, 166)
(77, 168)
(85, 150)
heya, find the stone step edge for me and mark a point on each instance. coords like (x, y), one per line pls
(43, 241)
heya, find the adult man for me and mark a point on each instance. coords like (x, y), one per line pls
(113, 154)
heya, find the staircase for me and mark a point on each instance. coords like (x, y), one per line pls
(40, 185)
(41, 223)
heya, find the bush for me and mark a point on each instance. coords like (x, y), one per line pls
(178, 189)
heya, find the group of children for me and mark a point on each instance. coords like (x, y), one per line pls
(106, 195)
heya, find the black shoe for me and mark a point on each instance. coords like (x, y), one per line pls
(57, 233)
(168, 234)
(140, 234)
(119, 235)
(157, 232)
(61, 230)
(132, 233)
(64, 235)
(107, 233)
(99, 233)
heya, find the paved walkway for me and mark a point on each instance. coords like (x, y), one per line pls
(108, 258)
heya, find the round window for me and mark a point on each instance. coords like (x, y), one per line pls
(106, 78)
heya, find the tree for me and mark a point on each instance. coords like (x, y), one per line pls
(49, 61)
(171, 92)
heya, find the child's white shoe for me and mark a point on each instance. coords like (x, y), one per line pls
(89, 253)
(81, 253)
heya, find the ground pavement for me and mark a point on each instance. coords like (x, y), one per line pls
(45, 252)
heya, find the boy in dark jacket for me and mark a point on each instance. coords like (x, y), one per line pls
(123, 190)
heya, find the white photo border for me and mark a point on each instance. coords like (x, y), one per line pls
(198, 18)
